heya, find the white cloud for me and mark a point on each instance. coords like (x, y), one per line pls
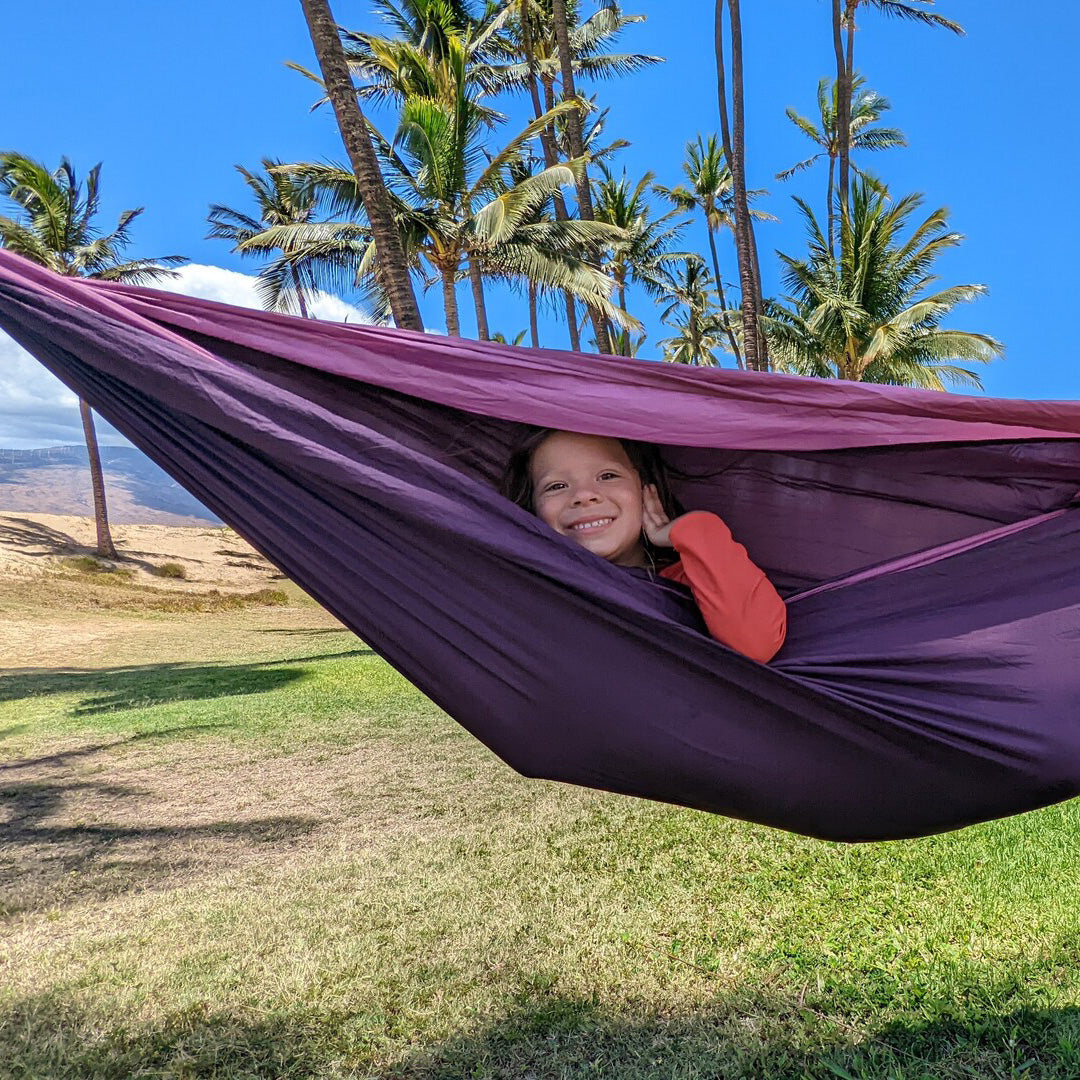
(232, 287)
(37, 410)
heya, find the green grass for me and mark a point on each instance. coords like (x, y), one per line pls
(169, 570)
(279, 860)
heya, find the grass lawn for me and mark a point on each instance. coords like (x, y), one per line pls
(234, 844)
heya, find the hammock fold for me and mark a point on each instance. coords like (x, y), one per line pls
(928, 545)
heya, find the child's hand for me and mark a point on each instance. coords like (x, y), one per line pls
(655, 523)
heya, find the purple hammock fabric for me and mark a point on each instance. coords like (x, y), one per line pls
(929, 545)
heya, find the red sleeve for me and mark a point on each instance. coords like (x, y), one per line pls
(737, 601)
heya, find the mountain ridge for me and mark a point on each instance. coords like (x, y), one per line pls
(56, 480)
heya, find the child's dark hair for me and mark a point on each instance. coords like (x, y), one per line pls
(516, 483)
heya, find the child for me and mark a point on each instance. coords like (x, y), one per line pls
(611, 497)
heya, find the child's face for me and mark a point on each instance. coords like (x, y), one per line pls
(585, 487)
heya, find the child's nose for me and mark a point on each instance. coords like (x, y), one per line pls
(585, 494)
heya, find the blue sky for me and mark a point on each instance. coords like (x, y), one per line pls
(170, 96)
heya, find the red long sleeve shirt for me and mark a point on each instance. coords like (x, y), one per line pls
(737, 601)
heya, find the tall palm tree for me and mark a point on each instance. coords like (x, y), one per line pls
(843, 22)
(866, 110)
(690, 311)
(55, 227)
(561, 27)
(755, 345)
(866, 315)
(305, 251)
(393, 267)
(645, 252)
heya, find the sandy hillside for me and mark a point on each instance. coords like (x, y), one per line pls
(33, 544)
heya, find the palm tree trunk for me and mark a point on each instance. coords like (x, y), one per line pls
(734, 150)
(571, 320)
(105, 546)
(577, 147)
(449, 295)
(300, 294)
(477, 283)
(832, 211)
(732, 341)
(843, 104)
(625, 350)
(695, 337)
(534, 333)
(764, 363)
(391, 265)
(551, 158)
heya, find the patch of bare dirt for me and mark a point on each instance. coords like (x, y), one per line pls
(94, 820)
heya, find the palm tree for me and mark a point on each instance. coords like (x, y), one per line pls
(453, 199)
(710, 190)
(561, 242)
(55, 228)
(394, 68)
(866, 315)
(692, 313)
(535, 65)
(644, 253)
(561, 27)
(755, 345)
(309, 251)
(393, 268)
(843, 21)
(866, 110)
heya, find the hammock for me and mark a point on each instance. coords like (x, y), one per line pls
(928, 545)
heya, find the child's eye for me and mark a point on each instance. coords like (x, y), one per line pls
(553, 486)
(609, 475)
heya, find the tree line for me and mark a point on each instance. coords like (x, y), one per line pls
(453, 195)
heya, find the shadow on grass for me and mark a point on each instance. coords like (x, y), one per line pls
(64, 757)
(113, 689)
(60, 841)
(559, 1037)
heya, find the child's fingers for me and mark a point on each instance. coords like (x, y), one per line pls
(653, 507)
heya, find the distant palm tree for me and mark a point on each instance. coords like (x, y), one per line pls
(691, 312)
(308, 251)
(55, 227)
(866, 315)
(843, 21)
(645, 252)
(393, 269)
(865, 111)
(710, 190)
